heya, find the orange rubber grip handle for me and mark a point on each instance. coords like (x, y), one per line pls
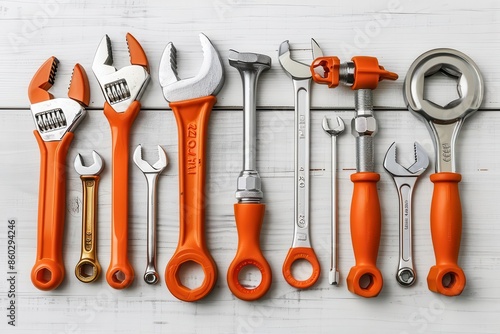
(446, 230)
(296, 254)
(48, 271)
(365, 279)
(120, 273)
(192, 125)
(249, 218)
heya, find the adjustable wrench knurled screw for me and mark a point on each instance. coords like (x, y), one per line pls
(151, 172)
(88, 256)
(405, 179)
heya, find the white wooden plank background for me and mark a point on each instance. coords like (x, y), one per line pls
(32, 31)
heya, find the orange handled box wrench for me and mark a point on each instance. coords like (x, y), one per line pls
(55, 121)
(444, 124)
(122, 89)
(191, 101)
(249, 211)
(362, 74)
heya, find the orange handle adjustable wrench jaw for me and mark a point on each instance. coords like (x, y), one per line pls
(446, 230)
(249, 218)
(120, 273)
(192, 124)
(365, 279)
(48, 271)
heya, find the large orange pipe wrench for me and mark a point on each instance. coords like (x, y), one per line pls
(301, 245)
(191, 101)
(249, 211)
(444, 124)
(122, 89)
(55, 121)
(362, 74)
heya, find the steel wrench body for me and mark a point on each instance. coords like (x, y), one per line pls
(301, 245)
(405, 179)
(151, 173)
(88, 269)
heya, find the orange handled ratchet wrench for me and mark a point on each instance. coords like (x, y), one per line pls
(122, 89)
(301, 245)
(55, 121)
(249, 211)
(191, 101)
(444, 124)
(362, 74)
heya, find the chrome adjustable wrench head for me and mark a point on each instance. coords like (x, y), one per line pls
(124, 86)
(145, 167)
(208, 81)
(54, 117)
(94, 169)
(416, 169)
(295, 69)
(444, 122)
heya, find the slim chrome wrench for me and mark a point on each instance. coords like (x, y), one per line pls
(151, 173)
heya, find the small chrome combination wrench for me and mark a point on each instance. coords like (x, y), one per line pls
(405, 179)
(151, 173)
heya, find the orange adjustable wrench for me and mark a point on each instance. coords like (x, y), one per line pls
(444, 124)
(249, 211)
(191, 101)
(122, 89)
(363, 75)
(55, 121)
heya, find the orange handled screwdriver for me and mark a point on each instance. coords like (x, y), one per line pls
(363, 75)
(122, 89)
(444, 123)
(249, 211)
(55, 121)
(191, 101)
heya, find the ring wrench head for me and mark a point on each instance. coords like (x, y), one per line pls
(452, 63)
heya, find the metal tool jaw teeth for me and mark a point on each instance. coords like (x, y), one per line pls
(94, 169)
(208, 81)
(121, 87)
(338, 129)
(145, 167)
(417, 168)
(421, 159)
(295, 69)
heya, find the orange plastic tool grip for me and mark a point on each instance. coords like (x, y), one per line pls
(48, 271)
(192, 125)
(446, 277)
(365, 279)
(249, 218)
(120, 273)
(296, 254)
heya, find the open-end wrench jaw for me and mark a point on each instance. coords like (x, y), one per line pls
(335, 131)
(208, 81)
(94, 169)
(124, 86)
(417, 168)
(145, 167)
(295, 69)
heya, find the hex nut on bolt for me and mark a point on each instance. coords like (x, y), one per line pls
(249, 185)
(364, 126)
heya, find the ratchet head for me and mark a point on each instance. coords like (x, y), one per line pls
(452, 63)
(337, 129)
(121, 87)
(94, 169)
(417, 168)
(295, 69)
(54, 117)
(208, 81)
(145, 167)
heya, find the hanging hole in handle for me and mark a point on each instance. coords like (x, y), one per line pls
(250, 277)
(44, 275)
(118, 276)
(191, 275)
(366, 281)
(301, 269)
(449, 279)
